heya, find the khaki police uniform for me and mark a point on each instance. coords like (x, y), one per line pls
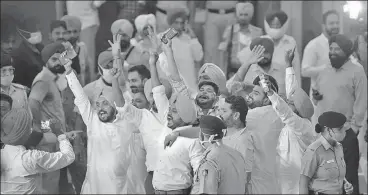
(19, 94)
(221, 171)
(325, 166)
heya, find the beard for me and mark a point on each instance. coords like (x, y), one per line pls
(205, 103)
(73, 40)
(104, 116)
(332, 31)
(124, 45)
(58, 69)
(337, 61)
(265, 63)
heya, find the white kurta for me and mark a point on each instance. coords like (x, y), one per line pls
(103, 146)
(294, 138)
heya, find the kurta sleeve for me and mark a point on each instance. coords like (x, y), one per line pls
(360, 103)
(35, 161)
(130, 113)
(81, 100)
(309, 61)
(196, 49)
(249, 153)
(309, 163)
(180, 87)
(297, 66)
(161, 102)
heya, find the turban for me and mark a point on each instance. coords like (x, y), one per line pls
(173, 14)
(331, 119)
(31, 24)
(51, 49)
(216, 75)
(280, 15)
(143, 20)
(302, 103)
(186, 108)
(245, 8)
(72, 22)
(211, 125)
(109, 96)
(148, 88)
(265, 42)
(6, 60)
(274, 85)
(343, 42)
(105, 58)
(122, 26)
(16, 127)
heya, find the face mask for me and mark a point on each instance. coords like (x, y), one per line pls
(106, 75)
(35, 38)
(61, 82)
(337, 61)
(58, 69)
(275, 33)
(7, 80)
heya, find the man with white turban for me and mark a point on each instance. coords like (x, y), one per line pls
(276, 24)
(130, 54)
(237, 37)
(211, 72)
(297, 133)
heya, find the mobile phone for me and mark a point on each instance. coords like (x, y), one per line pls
(263, 83)
(70, 52)
(63, 58)
(169, 35)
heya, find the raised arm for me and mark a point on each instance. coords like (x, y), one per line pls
(35, 161)
(116, 71)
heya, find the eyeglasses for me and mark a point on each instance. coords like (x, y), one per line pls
(8, 70)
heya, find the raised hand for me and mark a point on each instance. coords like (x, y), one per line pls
(255, 55)
(289, 57)
(71, 135)
(153, 58)
(155, 43)
(115, 72)
(115, 46)
(66, 62)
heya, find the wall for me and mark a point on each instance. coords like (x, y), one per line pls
(44, 11)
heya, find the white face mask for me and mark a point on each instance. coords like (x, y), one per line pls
(61, 82)
(35, 37)
(7, 80)
(275, 33)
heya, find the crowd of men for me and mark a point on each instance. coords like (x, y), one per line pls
(141, 118)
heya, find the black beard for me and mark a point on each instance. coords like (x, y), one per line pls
(124, 45)
(58, 69)
(73, 40)
(337, 61)
(265, 64)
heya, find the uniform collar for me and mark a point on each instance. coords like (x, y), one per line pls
(325, 143)
(11, 90)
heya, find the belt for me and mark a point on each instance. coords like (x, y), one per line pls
(161, 10)
(221, 11)
(311, 192)
(185, 191)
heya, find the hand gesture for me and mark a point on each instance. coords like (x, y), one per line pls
(71, 135)
(289, 57)
(115, 72)
(56, 126)
(170, 139)
(66, 62)
(348, 187)
(70, 52)
(255, 55)
(236, 87)
(154, 40)
(115, 46)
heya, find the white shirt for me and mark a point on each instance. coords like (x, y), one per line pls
(294, 138)
(238, 141)
(315, 55)
(103, 145)
(166, 5)
(152, 130)
(174, 169)
(265, 127)
(84, 11)
(20, 167)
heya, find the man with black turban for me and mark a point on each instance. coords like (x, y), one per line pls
(343, 89)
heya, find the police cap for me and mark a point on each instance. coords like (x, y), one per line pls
(211, 125)
(6, 60)
(332, 119)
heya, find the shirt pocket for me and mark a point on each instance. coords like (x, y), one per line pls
(331, 170)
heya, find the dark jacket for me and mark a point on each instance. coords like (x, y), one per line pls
(27, 63)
